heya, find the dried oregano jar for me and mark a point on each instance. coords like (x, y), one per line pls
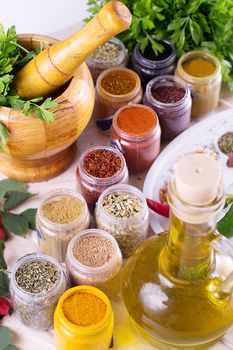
(61, 214)
(94, 258)
(37, 283)
(122, 211)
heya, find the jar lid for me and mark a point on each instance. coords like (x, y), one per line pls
(197, 178)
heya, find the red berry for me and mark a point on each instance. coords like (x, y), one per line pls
(5, 308)
(2, 234)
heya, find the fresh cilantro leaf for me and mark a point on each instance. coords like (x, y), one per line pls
(4, 136)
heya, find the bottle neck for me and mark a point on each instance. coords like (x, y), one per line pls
(188, 257)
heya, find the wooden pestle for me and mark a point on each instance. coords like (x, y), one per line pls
(54, 66)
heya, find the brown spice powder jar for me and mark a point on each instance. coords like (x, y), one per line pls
(136, 133)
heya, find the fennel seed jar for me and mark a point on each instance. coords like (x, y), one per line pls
(123, 212)
(202, 72)
(94, 258)
(36, 284)
(61, 214)
(111, 54)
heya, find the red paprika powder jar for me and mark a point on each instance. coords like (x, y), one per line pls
(136, 133)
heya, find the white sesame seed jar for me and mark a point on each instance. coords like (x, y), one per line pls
(106, 276)
(128, 231)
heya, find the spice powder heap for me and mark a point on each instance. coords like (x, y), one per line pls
(37, 277)
(107, 52)
(102, 163)
(122, 204)
(118, 83)
(136, 120)
(84, 309)
(168, 94)
(199, 67)
(93, 251)
(64, 210)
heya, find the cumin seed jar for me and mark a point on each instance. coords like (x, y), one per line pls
(115, 87)
(111, 54)
(148, 65)
(95, 333)
(94, 258)
(100, 167)
(136, 133)
(123, 212)
(36, 307)
(170, 98)
(61, 214)
(204, 79)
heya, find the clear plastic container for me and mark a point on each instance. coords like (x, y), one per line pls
(91, 186)
(94, 337)
(205, 91)
(53, 238)
(36, 309)
(139, 150)
(106, 104)
(173, 117)
(149, 66)
(106, 277)
(97, 66)
(128, 232)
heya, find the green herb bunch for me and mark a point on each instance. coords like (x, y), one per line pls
(189, 24)
(12, 57)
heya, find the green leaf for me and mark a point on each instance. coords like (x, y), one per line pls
(229, 199)
(30, 215)
(3, 264)
(4, 136)
(49, 103)
(4, 285)
(8, 185)
(15, 223)
(44, 115)
(144, 44)
(196, 32)
(5, 337)
(225, 225)
(10, 347)
(14, 198)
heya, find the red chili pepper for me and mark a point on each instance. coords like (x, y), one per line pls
(159, 208)
(5, 307)
(2, 234)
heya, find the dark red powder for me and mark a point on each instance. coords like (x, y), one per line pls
(168, 94)
(102, 163)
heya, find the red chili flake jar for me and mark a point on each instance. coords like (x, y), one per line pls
(170, 98)
(136, 133)
(99, 168)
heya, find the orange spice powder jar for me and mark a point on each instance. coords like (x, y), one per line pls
(136, 133)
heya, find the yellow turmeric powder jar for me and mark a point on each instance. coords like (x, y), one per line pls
(83, 320)
(202, 72)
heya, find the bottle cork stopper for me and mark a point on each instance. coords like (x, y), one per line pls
(197, 178)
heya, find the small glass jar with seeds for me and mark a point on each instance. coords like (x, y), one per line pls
(37, 283)
(111, 54)
(122, 211)
(61, 214)
(94, 258)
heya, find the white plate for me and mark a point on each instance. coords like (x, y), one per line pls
(203, 136)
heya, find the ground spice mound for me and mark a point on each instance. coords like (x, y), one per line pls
(118, 83)
(225, 143)
(64, 210)
(84, 309)
(168, 94)
(93, 251)
(136, 120)
(102, 163)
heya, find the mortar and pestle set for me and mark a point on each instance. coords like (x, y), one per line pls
(38, 151)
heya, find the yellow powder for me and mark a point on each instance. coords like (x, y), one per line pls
(64, 210)
(84, 309)
(199, 67)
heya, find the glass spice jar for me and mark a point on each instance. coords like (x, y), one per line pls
(61, 214)
(36, 309)
(115, 87)
(122, 211)
(94, 258)
(170, 98)
(148, 65)
(136, 133)
(111, 54)
(100, 167)
(204, 82)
